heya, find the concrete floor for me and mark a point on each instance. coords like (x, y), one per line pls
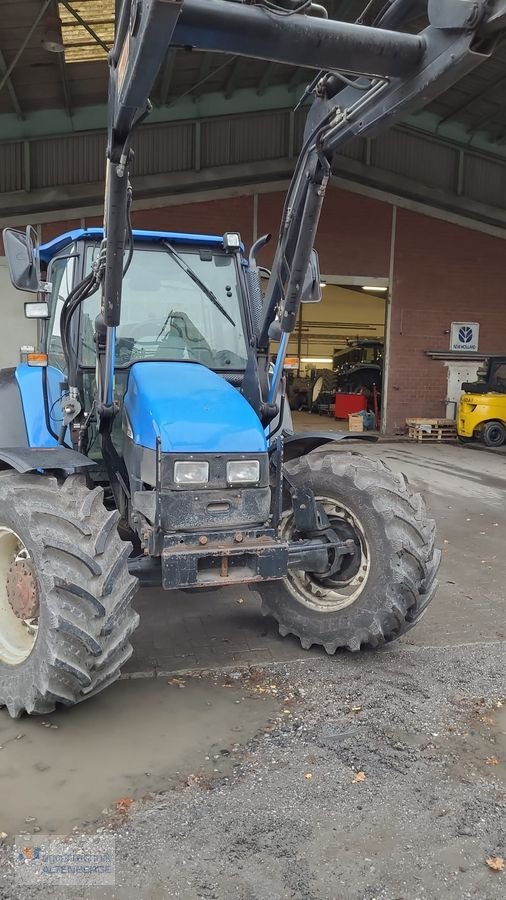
(464, 489)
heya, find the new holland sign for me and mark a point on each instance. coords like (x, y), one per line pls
(464, 336)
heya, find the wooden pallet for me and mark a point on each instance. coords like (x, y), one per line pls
(431, 430)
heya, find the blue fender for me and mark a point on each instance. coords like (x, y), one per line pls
(29, 379)
(26, 445)
(22, 414)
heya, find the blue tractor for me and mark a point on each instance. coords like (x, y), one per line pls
(189, 488)
(148, 438)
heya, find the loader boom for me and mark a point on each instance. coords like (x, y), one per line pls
(388, 74)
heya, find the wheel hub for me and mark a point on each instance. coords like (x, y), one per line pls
(22, 591)
(335, 592)
(349, 563)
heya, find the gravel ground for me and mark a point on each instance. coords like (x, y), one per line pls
(426, 726)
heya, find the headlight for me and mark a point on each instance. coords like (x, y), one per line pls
(191, 472)
(244, 471)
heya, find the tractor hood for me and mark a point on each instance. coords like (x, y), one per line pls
(191, 409)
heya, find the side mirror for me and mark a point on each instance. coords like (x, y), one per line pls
(311, 290)
(22, 259)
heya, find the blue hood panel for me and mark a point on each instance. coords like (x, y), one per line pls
(191, 409)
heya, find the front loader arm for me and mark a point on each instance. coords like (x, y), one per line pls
(396, 73)
(459, 37)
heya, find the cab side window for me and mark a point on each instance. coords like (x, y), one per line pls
(62, 275)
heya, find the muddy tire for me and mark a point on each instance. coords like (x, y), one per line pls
(384, 589)
(75, 645)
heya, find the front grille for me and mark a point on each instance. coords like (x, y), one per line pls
(207, 509)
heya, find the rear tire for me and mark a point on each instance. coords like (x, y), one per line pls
(85, 618)
(389, 587)
(494, 434)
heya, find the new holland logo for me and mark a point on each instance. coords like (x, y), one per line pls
(465, 334)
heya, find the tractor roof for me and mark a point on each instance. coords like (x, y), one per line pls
(47, 251)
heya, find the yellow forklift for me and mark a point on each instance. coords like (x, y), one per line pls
(481, 415)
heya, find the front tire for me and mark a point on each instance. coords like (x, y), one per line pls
(64, 580)
(387, 586)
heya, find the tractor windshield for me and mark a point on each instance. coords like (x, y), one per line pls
(165, 314)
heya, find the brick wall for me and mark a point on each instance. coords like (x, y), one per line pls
(354, 233)
(213, 217)
(442, 273)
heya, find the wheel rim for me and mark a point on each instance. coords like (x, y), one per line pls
(331, 595)
(18, 630)
(495, 434)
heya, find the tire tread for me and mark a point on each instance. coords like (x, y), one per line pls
(86, 588)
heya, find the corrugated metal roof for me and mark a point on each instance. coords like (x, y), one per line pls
(165, 148)
(244, 139)
(66, 160)
(11, 167)
(485, 180)
(411, 155)
(227, 142)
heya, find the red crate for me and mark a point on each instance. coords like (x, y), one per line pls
(349, 403)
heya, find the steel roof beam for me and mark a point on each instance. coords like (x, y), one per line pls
(10, 88)
(168, 71)
(298, 76)
(206, 65)
(28, 36)
(484, 94)
(488, 118)
(65, 84)
(266, 78)
(232, 79)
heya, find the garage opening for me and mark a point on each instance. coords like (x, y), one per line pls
(336, 357)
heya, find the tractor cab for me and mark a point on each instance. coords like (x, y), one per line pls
(183, 298)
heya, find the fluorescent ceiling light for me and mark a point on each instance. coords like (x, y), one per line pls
(372, 287)
(316, 359)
